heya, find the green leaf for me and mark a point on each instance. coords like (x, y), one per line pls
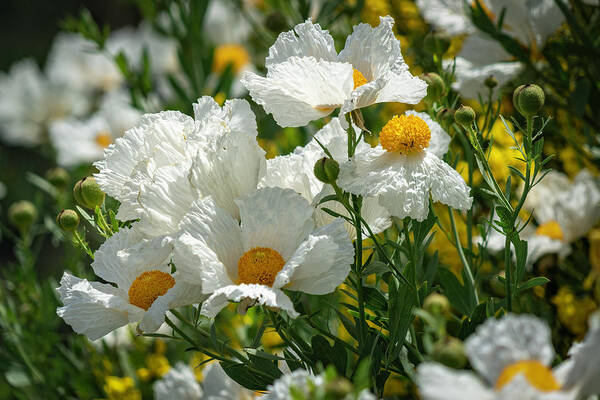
(456, 293)
(533, 282)
(244, 376)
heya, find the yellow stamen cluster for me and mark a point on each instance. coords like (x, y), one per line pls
(260, 265)
(550, 229)
(148, 286)
(406, 134)
(536, 373)
(233, 54)
(103, 139)
(359, 78)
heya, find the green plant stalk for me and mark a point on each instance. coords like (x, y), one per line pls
(463, 259)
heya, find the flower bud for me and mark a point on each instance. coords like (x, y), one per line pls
(528, 99)
(437, 304)
(450, 352)
(436, 88)
(464, 116)
(68, 220)
(22, 214)
(445, 116)
(88, 193)
(490, 82)
(58, 177)
(436, 43)
(327, 170)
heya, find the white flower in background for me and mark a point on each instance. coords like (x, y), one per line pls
(217, 385)
(145, 288)
(148, 169)
(275, 247)
(178, 384)
(530, 22)
(29, 102)
(78, 63)
(79, 141)
(295, 171)
(405, 168)
(513, 356)
(306, 78)
(220, 14)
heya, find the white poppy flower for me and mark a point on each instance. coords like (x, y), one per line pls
(306, 78)
(145, 288)
(513, 356)
(450, 16)
(29, 102)
(276, 247)
(179, 383)
(405, 168)
(152, 161)
(217, 385)
(295, 171)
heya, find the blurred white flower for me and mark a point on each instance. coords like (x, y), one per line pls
(307, 80)
(29, 102)
(513, 356)
(145, 288)
(275, 247)
(217, 385)
(178, 384)
(405, 168)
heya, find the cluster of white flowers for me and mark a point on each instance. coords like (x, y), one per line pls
(530, 22)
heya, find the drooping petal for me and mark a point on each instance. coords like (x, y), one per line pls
(447, 185)
(276, 218)
(263, 295)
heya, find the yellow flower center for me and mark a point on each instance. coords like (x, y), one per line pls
(536, 373)
(260, 265)
(148, 286)
(550, 229)
(103, 139)
(359, 78)
(233, 54)
(406, 134)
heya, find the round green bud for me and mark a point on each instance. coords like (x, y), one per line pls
(529, 99)
(68, 220)
(436, 88)
(58, 177)
(464, 116)
(445, 116)
(87, 193)
(436, 43)
(327, 170)
(450, 352)
(22, 214)
(437, 304)
(490, 82)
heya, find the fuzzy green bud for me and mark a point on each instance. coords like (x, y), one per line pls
(464, 116)
(22, 214)
(528, 99)
(436, 43)
(450, 352)
(327, 170)
(436, 88)
(445, 116)
(68, 220)
(58, 177)
(437, 304)
(87, 193)
(490, 82)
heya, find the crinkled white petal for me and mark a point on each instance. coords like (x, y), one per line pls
(301, 89)
(94, 309)
(305, 40)
(128, 253)
(470, 77)
(440, 140)
(499, 343)
(437, 382)
(298, 379)
(321, 263)
(230, 168)
(179, 383)
(210, 246)
(262, 294)
(236, 115)
(288, 172)
(217, 385)
(450, 16)
(276, 218)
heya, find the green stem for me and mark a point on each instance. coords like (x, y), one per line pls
(463, 259)
(508, 274)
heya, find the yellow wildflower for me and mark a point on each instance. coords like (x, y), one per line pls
(118, 388)
(573, 312)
